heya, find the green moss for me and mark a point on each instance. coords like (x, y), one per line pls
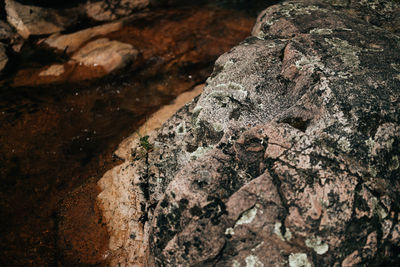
(144, 143)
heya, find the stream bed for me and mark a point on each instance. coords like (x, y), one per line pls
(57, 138)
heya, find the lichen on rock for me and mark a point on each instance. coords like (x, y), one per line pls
(296, 142)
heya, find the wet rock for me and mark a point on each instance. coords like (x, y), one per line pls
(113, 9)
(289, 157)
(33, 20)
(71, 42)
(110, 55)
(53, 70)
(3, 57)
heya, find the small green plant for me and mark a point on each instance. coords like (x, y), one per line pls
(144, 143)
(143, 149)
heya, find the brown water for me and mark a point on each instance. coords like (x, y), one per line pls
(56, 141)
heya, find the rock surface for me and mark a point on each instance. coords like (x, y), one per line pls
(33, 20)
(71, 42)
(110, 55)
(289, 157)
(9, 36)
(107, 10)
(379, 13)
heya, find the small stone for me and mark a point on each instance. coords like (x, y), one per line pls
(110, 55)
(33, 20)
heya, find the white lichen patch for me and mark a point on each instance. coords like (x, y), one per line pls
(395, 66)
(230, 89)
(309, 63)
(347, 53)
(217, 127)
(228, 64)
(321, 31)
(295, 9)
(287, 10)
(253, 261)
(316, 243)
(199, 152)
(181, 128)
(247, 217)
(378, 209)
(277, 231)
(235, 263)
(394, 163)
(344, 144)
(370, 144)
(229, 231)
(299, 260)
(388, 6)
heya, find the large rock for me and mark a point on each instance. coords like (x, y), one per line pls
(107, 10)
(110, 55)
(33, 20)
(289, 157)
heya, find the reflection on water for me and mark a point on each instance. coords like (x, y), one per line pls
(54, 138)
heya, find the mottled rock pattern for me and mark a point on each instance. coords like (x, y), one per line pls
(289, 157)
(107, 10)
(383, 14)
(33, 20)
(110, 55)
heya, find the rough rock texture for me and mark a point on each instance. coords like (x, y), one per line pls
(71, 42)
(289, 157)
(110, 55)
(106, 10)
(34, 20)
(383, 14)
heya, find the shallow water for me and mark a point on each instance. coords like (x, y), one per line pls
(57, 140)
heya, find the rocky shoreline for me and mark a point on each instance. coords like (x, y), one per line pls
(290, 156)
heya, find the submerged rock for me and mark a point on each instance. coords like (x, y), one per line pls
(289, 157)
(33, 20)
(71, 42)
(110, 55)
